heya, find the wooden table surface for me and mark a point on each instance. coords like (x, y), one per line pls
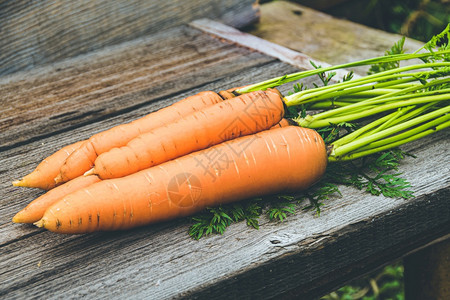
(306, 256)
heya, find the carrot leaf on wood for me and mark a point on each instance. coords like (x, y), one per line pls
(215, 220)
(280, 207)
(376, 174)
(318, 194)
(397, 48)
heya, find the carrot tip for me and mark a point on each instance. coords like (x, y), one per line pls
(23, 216)
(16, 218)
(39, 223)
(58, 179)
(90, 172)
(18, 183)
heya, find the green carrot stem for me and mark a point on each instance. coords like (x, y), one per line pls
(375, 94)
(354, 98)
(367, 128)
(337, 91)
(344, 149)
(421, 133)
(363, 84)
(414, 88)
(402, 117)
(379, 91)
(339, 115)
(392, 121)
(330, 104)
(277, 81)
(402, 86)
(404, 135)
(310, 122)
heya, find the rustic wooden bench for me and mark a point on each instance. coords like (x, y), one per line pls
(49, 106)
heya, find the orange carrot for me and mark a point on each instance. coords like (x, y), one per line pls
(83, 158)
(239, 116)
(44, 174)
(35, 210)
(272, 161)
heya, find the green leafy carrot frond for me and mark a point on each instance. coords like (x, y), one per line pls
(439, 41)
(363, 121)
(397, 48)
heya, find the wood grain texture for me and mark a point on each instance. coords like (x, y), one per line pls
(305, 255)
(295, 58)
(354, 234)
(94, 86)
(40, 32)
(322, 36)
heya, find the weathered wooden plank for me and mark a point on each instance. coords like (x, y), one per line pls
(322, 36)
(298, 59)
(41, 32)
(120, 78)
(354, 234)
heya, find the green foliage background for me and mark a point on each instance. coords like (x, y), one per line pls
(417, 19)
(384, 284)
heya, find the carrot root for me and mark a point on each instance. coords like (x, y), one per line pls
(22, 182)
(35, 209)
(240, 116)
(83, 159)
(39, 224)
(281, 124)
(43, 176)
(90, 172)
(58, 179)
(269, 162)
(51, 172)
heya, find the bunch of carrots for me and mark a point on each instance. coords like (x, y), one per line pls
(215, 148)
